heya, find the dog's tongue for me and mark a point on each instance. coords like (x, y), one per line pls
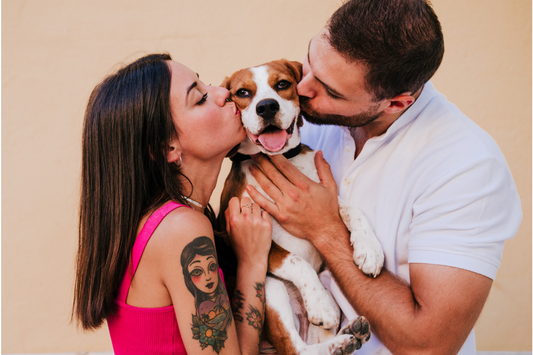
(274, 140)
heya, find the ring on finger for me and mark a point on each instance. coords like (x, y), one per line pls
(246, 205)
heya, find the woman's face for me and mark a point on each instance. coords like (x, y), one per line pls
(204, 273)
(207, 125)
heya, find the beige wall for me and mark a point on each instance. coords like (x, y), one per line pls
(54, 52)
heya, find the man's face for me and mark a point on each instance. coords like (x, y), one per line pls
(332, 90)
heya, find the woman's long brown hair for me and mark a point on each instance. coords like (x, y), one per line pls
(125, 174)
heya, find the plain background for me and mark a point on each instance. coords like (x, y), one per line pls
(54, 52)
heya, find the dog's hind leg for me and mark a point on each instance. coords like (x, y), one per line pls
(283, 333)
(322, 310)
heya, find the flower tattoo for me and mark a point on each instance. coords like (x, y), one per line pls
(254, 318)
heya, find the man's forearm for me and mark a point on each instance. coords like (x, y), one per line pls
(396, 317)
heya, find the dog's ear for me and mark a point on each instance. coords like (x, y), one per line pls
(300, 121)
(226, 83)
(295, 68)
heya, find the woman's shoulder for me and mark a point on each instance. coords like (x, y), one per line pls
(180, 226)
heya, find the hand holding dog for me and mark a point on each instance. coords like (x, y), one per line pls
(303, 207)
(250, 231)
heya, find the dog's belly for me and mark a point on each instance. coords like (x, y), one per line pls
(301, 247)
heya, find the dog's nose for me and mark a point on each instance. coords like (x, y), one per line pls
(267, 108)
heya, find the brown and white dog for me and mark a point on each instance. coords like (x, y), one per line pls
(301, 315)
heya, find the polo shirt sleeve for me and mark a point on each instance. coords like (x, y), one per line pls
(462, 217)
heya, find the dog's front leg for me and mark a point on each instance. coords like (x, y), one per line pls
(322, 310)
(367, 254)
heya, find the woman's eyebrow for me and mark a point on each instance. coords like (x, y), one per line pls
(192, 86)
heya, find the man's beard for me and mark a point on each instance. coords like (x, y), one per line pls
(358, 120)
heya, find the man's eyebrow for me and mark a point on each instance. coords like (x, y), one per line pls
(329, 89)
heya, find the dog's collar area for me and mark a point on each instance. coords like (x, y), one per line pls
(288, 154)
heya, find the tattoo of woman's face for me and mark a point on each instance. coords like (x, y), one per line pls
(204, 273)
(213, 315)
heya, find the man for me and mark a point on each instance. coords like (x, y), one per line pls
(434, 186)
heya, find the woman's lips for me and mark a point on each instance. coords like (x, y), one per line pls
(210, 285)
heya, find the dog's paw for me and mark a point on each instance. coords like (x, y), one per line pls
(367, 255)
(344, 344)
(360, 329)
(322, 310)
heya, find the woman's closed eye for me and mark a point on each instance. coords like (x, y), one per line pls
(202, 100)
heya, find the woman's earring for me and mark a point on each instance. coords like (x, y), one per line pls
(178, 162)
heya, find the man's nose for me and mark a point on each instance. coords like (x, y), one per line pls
(305, 88)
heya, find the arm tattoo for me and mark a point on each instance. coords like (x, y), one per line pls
(236, 305)
(254, 319)
(213, 315)
(260, 292)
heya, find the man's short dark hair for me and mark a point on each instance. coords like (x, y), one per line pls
(400, 42)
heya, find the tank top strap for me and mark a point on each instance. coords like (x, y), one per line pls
(140, 243)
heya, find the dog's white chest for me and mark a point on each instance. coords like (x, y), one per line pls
(302, 248)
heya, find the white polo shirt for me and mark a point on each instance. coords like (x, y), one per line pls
(435, 188)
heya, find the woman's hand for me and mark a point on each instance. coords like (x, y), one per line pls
(250, 231)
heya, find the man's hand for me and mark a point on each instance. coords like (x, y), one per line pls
(303, 207)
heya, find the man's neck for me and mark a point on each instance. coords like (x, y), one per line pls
(375, 128)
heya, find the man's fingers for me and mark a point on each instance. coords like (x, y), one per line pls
(262, 201)
(272, 172)
(285, 166)
(266, 184)
(324, 171)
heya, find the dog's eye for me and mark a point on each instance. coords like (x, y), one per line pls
(283, 84)
(243, 93)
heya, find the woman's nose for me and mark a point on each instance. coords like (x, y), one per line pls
(222, 95)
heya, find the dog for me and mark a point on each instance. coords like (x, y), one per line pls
(301, 315)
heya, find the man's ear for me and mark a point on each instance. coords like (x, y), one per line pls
(173, 150)
(399, 103)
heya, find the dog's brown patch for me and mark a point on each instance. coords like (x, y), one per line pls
(276, 334)
(241, 80)
(284, 70)
(276, 257)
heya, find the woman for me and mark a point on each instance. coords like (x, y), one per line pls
(154, 140)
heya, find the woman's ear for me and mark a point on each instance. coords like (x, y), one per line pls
(173, 150)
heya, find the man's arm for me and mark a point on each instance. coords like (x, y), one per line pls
(434, 314)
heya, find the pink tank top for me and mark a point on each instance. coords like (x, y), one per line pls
(145, 331)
